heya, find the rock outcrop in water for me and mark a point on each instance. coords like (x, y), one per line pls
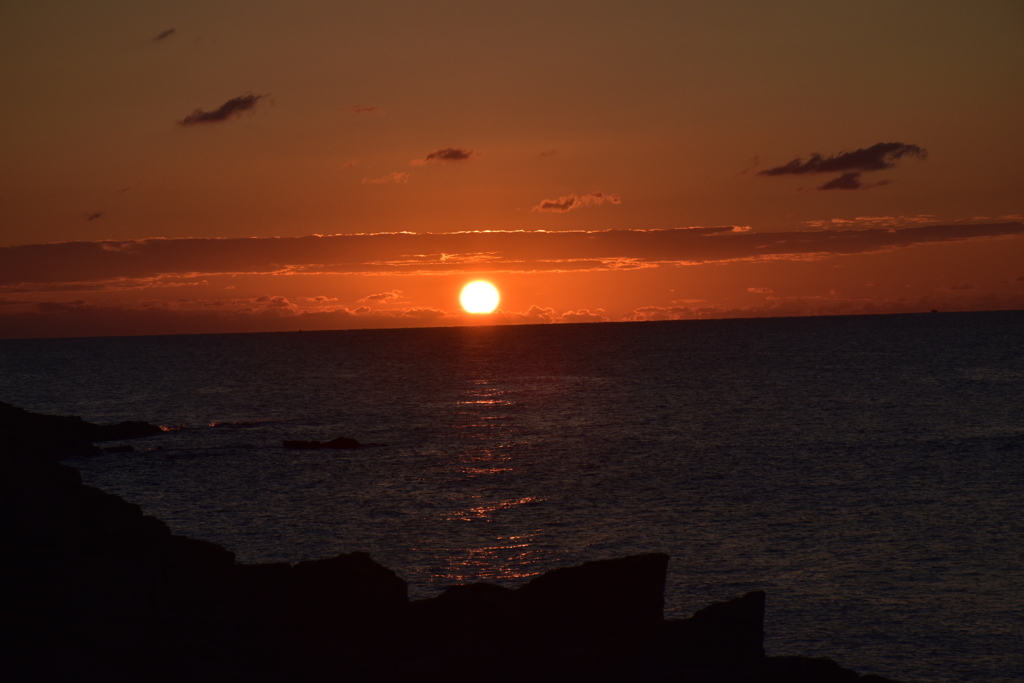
(95, 590)
(31, 435)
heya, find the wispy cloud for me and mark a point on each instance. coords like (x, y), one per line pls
(230, 109)
(275, 313)
(81, 266)
(445, 155)
(384, 297)
(584, 315)
(876, 221)
(575, 201)
(60, 306)
(273, 301)
(395, 177)
(850, 165)
(363, 109)
(648, 313)
(849, 181)
(265, 313)
(535, 314)
(875, 158)
(163, 35)
(93, 215)
(78, 318)
(425, 314)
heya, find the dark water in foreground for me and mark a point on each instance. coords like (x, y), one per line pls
(867, 472)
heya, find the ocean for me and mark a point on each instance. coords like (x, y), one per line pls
(865, 471)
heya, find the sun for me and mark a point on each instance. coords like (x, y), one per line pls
(479, 297)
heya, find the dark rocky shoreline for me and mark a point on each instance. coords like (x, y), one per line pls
(95, 590)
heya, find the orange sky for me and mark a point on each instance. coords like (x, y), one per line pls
(245, 166)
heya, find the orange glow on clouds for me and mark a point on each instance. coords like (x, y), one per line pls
(161, 286)
(882, 175)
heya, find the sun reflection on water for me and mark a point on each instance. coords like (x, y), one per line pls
(504, 558)
(492, 526)
(485, 511)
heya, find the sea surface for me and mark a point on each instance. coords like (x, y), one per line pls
(866, 471)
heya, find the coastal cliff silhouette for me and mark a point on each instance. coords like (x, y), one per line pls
(96, 590)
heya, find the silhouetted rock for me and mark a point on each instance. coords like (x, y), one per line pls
(348, 590)
(806, 670)
(124, 430)
(109, 526)
(196, 574)
(467, 615)
(299, 444)
(625, 593)
(342, 442)
(722, 634)
(483, 600)
(94, 589)
(263, 596)
(58, 436)
(26, 434)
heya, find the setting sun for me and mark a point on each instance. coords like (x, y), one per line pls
(479, 297)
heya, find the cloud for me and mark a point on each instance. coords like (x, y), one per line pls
(442, 156)
(396, 177)
(584, 316)
(80, 319)
(95, 215)
(760, 290)
(535, 314)
(164, 34)
(384, 297)
(119, 265)
(363, 109)
(574, 201)
(233, 107)
(875, 158)
(273, 301)
(60, 307)
(850, 165)
(650, 313)
(424, 314)
(873, 221)
(850, 181)
(545, 315)
(754, 163)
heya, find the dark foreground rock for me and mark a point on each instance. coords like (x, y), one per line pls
(31, 435)
(93, 590)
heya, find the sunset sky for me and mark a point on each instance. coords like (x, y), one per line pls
(215, 166)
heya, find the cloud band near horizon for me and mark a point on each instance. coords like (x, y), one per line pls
(88, 265)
